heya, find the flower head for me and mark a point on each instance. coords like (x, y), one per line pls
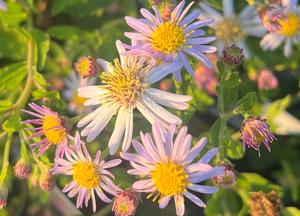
(226, 179)
(22, 169)
(255, 131)
(89, 176)
(267, 204)
(170, 40)
(125, 85)
(266, 80)
(86, 67)
(288, 31)
(3, 6)
(233, 55)
(126, 202)
(50, 126)
(232, 28)
(168, 169)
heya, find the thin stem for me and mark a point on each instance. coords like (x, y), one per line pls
(5, 164)
(221, 139)
(30, 78)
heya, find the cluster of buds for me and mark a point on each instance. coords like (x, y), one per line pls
(271, 15)
(22, 169)
(86, 67)
(228, 178)
(255, 131)
(126, 202)
(264, 204)
(233, 55)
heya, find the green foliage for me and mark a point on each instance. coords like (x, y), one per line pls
(43, 44)
(5, 105)
(59, 6)
(246, 103)
(14, 15)
(12, 124)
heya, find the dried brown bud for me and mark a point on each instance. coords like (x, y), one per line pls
(264, 204)
(22, 169)
(233, 55)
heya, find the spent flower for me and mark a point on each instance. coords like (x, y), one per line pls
(265, 204)
(23, 169)
(254, 132)
(167, 167)
(125, 86)
(126, 202)
(171, 40)
(88, 176)
(233, 55)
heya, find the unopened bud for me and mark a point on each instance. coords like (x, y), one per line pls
(228, 178)
(86, 67)
(22, 169)
(233, 55)
(46, 181)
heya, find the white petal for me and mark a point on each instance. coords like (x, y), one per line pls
(128, 130)
(91, 116)
(228, 8)
(195, 199)
(179, 204)
(90, 91)
(105, 65)
(209, 11)
(271, 41)
(288, 48)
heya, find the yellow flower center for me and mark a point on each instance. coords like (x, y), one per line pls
(126, 83)
(168, 38)
(290, 25)
(86, 175)
(53, 129)
(78, 100)
(170, 178)
(229, 30)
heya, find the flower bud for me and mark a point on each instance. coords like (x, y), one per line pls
(264, 204)
(86, 67)
(228, 178)
(46, 180)
(126, 203)
(3, 195)
(266, 80)
(233, 55)
(255, 131)
(22, 169)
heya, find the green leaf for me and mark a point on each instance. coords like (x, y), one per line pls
(14, 14)
(13, 44)
(66, 33)
(12, 124)
(234, 149)
(225, 202)
(11, 76)
(5, 105)
(278, 106)
(59, 6)
(42, 93)
(39, 78)
(246, 103)
(214, 133)
(290, 211)
(42, 40)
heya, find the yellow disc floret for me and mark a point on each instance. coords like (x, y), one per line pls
(290, 25)
(168, 38)
(170, 178)
(86, 175)
(126, 83)
(229, 30)
(53, 129)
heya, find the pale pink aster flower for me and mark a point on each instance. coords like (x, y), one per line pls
(173, 39)
(50, 127)
(126, 86)
(232, 28)
(89, 176)
(289, 32)
(270, 16)
(266, 80)
(167, 168)
(3, 6)
(254, 132)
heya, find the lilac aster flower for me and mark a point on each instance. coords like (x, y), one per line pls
(171, 40)
(50, 126)
(89, 176)
(3, 6)
(125, 87)
(255, 131)
(168, 169)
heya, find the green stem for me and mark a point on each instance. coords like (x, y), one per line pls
(221, 139)
(5, 164)
(30, 78)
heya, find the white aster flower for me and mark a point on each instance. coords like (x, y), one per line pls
(125, 86)
(289, 31)
(72, 83)
(231, 28)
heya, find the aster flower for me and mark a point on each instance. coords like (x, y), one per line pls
(76, 103)
(126, 86)
(89, 176)
(289, 31)
(126, 202)
(171, 40)
(266, 80)
(255, 131)
(50, 127)
(168, 169)
(3, 6)
(231, 28)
